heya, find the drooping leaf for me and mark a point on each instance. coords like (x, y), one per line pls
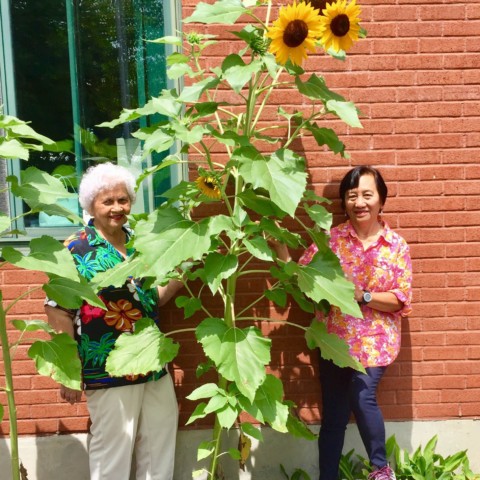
(258, 247)
(146, 350)
(58, 358)
(316, 88)
(237, 72)
(277, 296)
(321, 217)
(13, 149)
(205, 449)
(168, 40)
(331, 346)
(193, 92)
(239, 354)
(222, 11)
(46, 255)
(282, 175)
(323, 279)
(4, 222)
(166, 239)
(177, 57)
(70, 293)
(227, 416)
(38, 188)
(268, 405)
(251, 430)
(198, 413)
(298, 428)
(219, 267)
(32, 326)
(260, 204)
(347, 111)
(207, 390)
(327, 136)
(190, 305)
(20, 129)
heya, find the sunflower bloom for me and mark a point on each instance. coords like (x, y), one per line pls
(340, 25)
(294, 32)
(208, 185)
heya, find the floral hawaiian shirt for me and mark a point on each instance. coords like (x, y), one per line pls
(384, 266)
(96, 330)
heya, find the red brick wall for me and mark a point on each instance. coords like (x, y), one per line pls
(416, 80)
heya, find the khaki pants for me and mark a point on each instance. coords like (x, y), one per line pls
(135, 421)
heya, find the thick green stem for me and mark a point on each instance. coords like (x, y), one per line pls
(229, 318)
(12, 410)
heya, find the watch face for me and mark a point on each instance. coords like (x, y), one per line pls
(367, 297)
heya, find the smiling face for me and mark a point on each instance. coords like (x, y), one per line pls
(110, 209)
(363, 204)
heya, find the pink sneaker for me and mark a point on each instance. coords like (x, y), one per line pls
(384, 473)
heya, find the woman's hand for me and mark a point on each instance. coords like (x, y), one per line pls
(69, 395)
(280, 249)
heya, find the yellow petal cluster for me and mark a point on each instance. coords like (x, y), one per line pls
(340, 25)
(208, 186)
(294, 32)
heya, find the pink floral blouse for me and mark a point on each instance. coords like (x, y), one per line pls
(384, 267)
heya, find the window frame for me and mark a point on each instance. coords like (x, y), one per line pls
(172, 25)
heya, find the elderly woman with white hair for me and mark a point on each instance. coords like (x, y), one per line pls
(133, 416)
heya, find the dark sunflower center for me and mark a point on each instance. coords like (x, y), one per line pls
(295, 33)
(340, 25)
(210, 185)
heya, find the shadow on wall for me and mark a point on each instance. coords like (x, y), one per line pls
(61, 455)
(49, 457)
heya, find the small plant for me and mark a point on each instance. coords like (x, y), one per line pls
(427, 465)
(298, 474)
(421, 465)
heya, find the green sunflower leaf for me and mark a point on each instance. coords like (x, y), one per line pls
(146, 350)
(219, 267)
(346, 111)
(239, 354)
(282, 175)
(323, 279)
(331, 346)
(58, 358)
(223, 11)
(46, 255)
(38, 188)
(70, 293)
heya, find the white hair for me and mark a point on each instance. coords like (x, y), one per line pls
(104, 176)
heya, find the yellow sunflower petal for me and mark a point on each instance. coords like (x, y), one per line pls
(294, 32)
(340, 25)
(208, 186)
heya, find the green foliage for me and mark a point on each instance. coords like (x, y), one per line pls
(56, 357)
(423, 464)
(298, 474)
(253, 179)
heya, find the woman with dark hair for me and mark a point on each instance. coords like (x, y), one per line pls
(377, 261)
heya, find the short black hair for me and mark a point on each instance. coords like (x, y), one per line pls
(352, 178)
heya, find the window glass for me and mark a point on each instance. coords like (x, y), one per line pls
(77, 63)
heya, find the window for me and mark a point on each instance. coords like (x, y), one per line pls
(68, 66)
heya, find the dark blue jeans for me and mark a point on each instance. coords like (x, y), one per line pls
(345, 390)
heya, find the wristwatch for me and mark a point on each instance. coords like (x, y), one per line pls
(366, 298)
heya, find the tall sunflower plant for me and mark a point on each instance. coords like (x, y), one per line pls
(245, 169)
(56, 355)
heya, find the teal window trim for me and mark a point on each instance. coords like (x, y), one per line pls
(7, 87)
(172, 25)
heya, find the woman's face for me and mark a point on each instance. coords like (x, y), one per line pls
(110, 208)
(363, 204)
